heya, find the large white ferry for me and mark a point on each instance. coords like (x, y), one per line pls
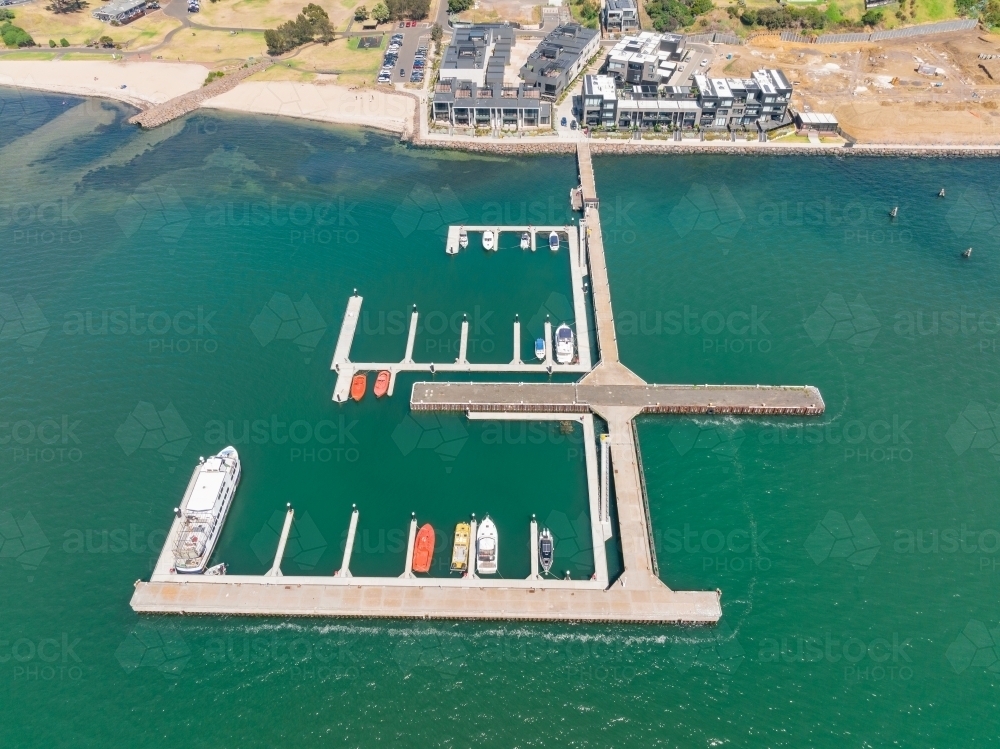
(203, 511)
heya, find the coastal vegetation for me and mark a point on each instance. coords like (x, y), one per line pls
(669, 15)
(458, 6)
(408, 9)
(311, 24)
(66, 6)
(586, 12)
(13, 36)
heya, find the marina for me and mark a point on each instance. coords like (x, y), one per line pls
(609, 390)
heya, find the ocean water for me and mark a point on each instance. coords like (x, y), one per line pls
(168, 293)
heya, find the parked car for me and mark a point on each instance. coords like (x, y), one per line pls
(572, 125)
(402, 72)
(563, 122)
(704, 62)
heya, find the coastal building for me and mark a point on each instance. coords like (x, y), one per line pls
(121, 11)
(621, 16)
(559, 58)
(711, 103)
(823, 122)
(478, 54)
(495, 106)
(646, 59)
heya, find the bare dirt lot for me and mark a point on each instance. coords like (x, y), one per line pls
(520, 11)
(876, 91)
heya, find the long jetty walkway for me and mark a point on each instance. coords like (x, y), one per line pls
(181, 105)
(609, 390)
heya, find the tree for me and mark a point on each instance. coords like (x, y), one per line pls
(63, 42)
(437, 33)
(106, 41)
(67, 6)
(361, 13)
(6, 15)
(457, 6)
(991, 13)
(872, 18)
(380, 13)
(311, 23)
(52, 43)
(14, 36)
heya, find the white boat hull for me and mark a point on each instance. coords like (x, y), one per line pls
(204, 510)
(486, 548)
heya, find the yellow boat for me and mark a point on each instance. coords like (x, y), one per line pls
(460, 550)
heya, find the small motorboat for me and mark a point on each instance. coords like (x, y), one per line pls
(489, 240)
(525, 241)
(894, 211)
(941, 194)
(358, 386)
(554, 241)
(423, 549)
(565, 344)
(463, 238)
(540, 349)
(967, 253)
(382, 383)
(486, 547)
(218, 569)
(545, 549)
(460, 549)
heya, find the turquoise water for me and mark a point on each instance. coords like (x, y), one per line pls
(857, 554)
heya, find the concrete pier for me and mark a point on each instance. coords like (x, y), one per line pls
(275, 570)
(534, 550)
(609, 390)
(473, 551)
(345, 565)
(517, 342)
(408, 569)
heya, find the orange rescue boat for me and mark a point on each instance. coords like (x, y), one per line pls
(358, 386)
(382, 383)
(423, 549)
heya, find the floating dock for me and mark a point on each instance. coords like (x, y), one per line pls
(609, 390)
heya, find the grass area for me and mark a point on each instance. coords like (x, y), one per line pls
(29, 55)
(353, 67)
(269, 14)
(80, 28)
(198, 45)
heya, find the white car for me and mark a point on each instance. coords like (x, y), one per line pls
(704, 62)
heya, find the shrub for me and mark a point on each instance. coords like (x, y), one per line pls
(67, 6)
(63, 43)
(51, 43)
(872, 17)
(457, 6)
(361, 13)
(668, 15)
(14, 36)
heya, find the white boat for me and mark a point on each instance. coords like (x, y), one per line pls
(203, 511)
(554, 241)
(486, 547)
(565, 344)
(546, 549)
(463, 238)
(540, 349)
(489, 240)
(525, 241)
(893, 213)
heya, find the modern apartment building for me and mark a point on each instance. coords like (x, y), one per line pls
(559, 58)
(646, 59)
(712, 103)
(494, 106)
(621, 16)
(478, 53)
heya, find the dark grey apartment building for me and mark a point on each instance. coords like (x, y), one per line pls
(494, 106)
(560, 58)
(620, 16)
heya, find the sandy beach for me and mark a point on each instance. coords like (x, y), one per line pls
(145, 83)
(325, 103)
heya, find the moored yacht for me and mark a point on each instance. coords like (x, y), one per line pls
(540, 349)
(545, 549)
(489, 240)
(554, 241)
(525, 241)
(463, 238)
(565, 344)
(486, 547)
(203, 510)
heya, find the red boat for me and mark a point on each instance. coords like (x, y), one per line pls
(423, 549)
(358, 386)
(382, 383)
